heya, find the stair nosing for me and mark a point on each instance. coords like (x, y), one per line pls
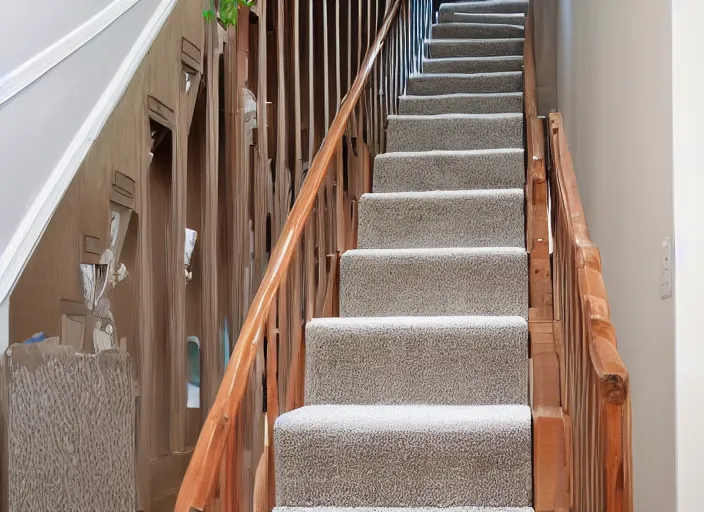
(464, 75)
(497, 115)
(411, 321)
(442, 194)
(454, 152)
(462, 95)
(472, 59)
(437, 251)
(475, 40)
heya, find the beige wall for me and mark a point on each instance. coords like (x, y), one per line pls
(615, 90)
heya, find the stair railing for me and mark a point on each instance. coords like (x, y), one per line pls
(264, 377)
(594, 381)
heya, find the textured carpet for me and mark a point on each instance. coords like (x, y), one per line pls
(463, 103)
(404, 456)
(452, 83)
(449, 170)
(480, 17)
(473, 64)
(453, 132)
(476, 30)
(443, 48)
(417, 397)
(466, 218)
(434, 282)
(417, 360)
(71, 430)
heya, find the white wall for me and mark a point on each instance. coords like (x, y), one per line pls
(688, 113)
(28, 28)
(615, 91)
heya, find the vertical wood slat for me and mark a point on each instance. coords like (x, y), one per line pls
(328, 232)
(595, 396)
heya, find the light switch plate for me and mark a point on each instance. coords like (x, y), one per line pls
(666, 269)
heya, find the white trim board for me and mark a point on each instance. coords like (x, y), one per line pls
(27, 235)
(31, 70)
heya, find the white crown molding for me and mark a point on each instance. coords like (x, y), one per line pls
(26, 236)
(27, 73)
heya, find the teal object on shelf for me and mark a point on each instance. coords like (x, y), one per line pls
(226, 343)
(193, 363)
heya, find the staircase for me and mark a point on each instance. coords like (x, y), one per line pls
(417, 396)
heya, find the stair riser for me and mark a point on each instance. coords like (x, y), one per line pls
(433, 283)
(479, 65)
(475, 31)
(488, 6)
(399, 172)
(427, 84)
(427, 133)
(428, 361)
(486, 18)
(448, 48)
(461, 104)
(435, 219)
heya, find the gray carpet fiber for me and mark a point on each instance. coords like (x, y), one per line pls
(462, 103)
(482, 17)
(473, 64)
(449, 170)
(439, 48)
(452, 83)
(465, 218)
(416, 398)
(404, 456)
(417, 360)
(454, 132)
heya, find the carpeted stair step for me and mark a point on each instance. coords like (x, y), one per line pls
(447, 48)
(434, 282)
(404, 509)
(486, 6)
(453, 83)
(467, 218)
(481, 103)
(482, 17)
(449, 170)
(452, 132)
(404, 456)
(417, 360)
(473, 64)
(476, 31)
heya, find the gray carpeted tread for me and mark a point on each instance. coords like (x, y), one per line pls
(452, 132)
(453, 83)
(475, 30)
(444, 48)
(404, 456)
(404, 509)
(417, 360)
(478, 103)
(473, 64)
(449, 170)
(466, 218)
(434, 282)
(417, 395)
(482, 17)
(486, 6)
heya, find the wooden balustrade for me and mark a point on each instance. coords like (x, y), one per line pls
(232, 464)
(593, 379)
(579, 386)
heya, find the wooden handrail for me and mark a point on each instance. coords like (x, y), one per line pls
(204, 466)
(604, 354)
(596, 397)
